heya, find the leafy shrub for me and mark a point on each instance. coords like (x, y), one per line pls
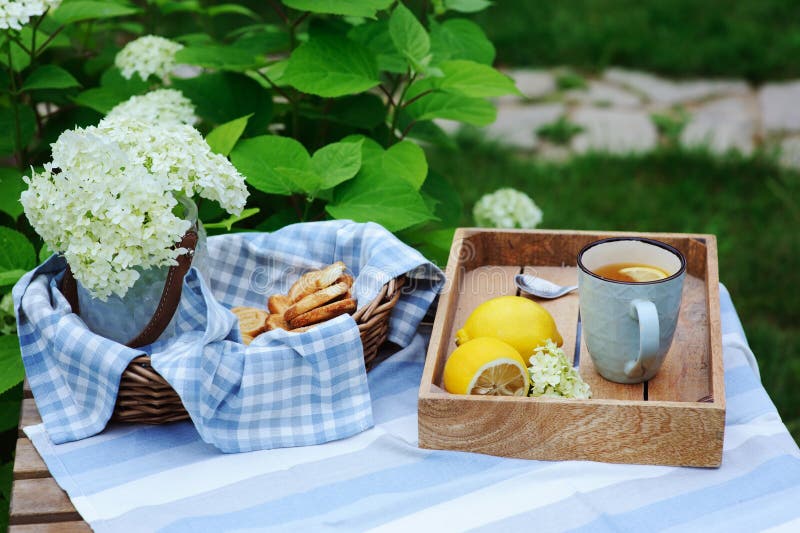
(324, 106)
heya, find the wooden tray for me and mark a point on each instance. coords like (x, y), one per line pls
(677, 418)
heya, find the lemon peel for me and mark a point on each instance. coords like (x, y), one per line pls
(518, 321)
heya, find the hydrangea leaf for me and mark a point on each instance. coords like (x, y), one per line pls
(12, 371)
(475, 111)
(217, 57)
(332, 66)
(49, 77)
(11, 186)
(351, 8)
(70, 12)
(206, 93)
(467, 6)
(460, 39)
(274, 164)
(8, 137)
(223, 138)
(17, 255)
(375, 36)
(337, 163)
(391, 201)
(408, 34)
(469, 78)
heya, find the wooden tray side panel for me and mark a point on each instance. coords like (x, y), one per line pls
(685, 374)
(662, 433)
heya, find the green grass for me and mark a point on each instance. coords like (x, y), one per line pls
(749, 204)
(560, 131)
(754, 39)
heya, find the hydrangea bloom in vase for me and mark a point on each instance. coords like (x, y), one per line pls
(115, 200)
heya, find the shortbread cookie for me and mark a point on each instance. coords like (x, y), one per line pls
(278, 304)
(314, 300)
(276, 322)
(321, 314)
(252, 321)
(315, 280)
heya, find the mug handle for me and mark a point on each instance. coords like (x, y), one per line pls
(644, 311)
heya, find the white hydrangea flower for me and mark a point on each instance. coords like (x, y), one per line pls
(17, 13)
(106, 200)
(552, 375)
(146, 56)
(507, 208)
(156, 107)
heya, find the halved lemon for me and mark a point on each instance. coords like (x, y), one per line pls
(642, 273)
(486, 366)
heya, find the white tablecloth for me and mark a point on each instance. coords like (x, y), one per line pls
(141, 478)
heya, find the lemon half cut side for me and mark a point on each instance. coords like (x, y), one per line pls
(486, 366)
(643, 273)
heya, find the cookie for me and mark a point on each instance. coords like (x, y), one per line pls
(252, 321)
(314, 300)
(321, 314)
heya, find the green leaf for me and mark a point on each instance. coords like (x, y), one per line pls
(217, 57)
(114, 89)
(469, 78)
(375, 36)
(273, 164)
(11, 186)
(467, 6)
(221, 97)
(100, 99)
(232, 9)
(230, 221)
(426, 131)
(361, 111)
(17, 255)
(49, 77)
(12, 371)
(332, 66)
(44, 253)
(70, 12)
(352, 8)
(408, 34)
(433, 244)
(391, 201)
(337, 163)
(475, 111)
(407, 161)
(8, 136)
(460, 39)
(450, 206)
(223, 138)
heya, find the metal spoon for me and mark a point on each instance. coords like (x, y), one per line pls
(541, 287)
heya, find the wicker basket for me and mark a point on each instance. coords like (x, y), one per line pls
(145, 397)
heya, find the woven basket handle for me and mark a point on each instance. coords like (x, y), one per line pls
(170, 298)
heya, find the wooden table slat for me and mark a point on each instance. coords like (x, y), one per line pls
(40, 500)
(29, 415)
(28, 464)
(55, 527)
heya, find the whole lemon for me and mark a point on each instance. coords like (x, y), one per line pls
(486, 366)
(520, 322)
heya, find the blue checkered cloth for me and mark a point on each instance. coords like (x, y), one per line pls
(284, 389)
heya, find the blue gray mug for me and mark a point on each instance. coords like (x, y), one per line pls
(628, 326)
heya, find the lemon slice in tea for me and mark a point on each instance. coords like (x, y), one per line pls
(486, 366)
(643, 273)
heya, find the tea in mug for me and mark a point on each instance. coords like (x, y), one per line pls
(631, 272)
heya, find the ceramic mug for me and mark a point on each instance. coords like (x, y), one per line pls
(628, 326)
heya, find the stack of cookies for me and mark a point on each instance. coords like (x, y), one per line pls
(317, 296)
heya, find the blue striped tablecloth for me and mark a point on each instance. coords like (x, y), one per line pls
(164, 478)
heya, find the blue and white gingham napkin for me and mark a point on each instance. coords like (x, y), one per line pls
(284, 389)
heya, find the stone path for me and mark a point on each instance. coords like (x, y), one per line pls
(624, 111)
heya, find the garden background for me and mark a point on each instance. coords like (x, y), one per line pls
(747, 195)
